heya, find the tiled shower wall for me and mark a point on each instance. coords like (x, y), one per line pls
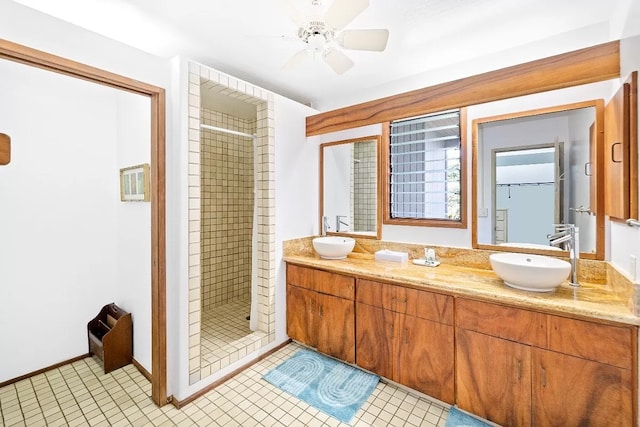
(365, 186)
(227, 201)
(202, 79)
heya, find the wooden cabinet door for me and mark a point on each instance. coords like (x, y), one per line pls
(376, 348)
(570, 391)
(621, 145)
(301, 315)
(493, 378)
(426, 357)
(336, 327)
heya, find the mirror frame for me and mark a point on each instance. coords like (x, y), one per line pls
(598, 104)
(378, 232)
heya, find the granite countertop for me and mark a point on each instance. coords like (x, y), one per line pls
(602, 299)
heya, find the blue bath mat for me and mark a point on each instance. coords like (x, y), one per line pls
(458, 418)
(334, 388)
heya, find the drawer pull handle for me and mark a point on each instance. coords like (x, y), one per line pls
(544, 376)
(519, 367)
(320, 310)
(406, 336)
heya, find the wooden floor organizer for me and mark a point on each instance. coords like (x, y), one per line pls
(110, 336)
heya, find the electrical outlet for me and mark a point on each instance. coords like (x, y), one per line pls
(632, 268)
(483, 212)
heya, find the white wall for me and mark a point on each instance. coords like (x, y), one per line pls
(37, 30)
(63, 39)
(133, 270)
(297, 190)
(58, 221)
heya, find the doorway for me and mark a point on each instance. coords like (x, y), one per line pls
(32, 57)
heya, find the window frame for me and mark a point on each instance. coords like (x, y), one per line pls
(385, 159)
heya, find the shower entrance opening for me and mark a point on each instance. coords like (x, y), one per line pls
(231, 221)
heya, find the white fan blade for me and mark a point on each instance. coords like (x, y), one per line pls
(296, 60)
(294, 14)
(341, 12)
(338, 61)
(375, 40)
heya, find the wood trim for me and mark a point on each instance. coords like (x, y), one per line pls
(464, 147)
(588, 65)
(598, 104)
(600, 184)
(40, 371)
(36, 58)
(430, 222)
(377, 139)
(158, 252)
(383, 174)
(633, 145)
(141, 369)
(385, 170)
(181, 403)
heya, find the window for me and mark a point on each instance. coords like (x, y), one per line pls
(426, 178)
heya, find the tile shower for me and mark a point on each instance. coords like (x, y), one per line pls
(364, 187)
(224, 171)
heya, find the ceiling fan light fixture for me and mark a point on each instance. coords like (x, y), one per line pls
(323, 34)
(317, 43)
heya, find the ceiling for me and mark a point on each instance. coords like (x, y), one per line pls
(253, 39)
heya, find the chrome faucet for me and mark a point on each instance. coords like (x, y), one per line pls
(325, 225)
(340, 222)
(568, 236)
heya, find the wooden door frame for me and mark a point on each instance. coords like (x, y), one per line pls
(18, 53)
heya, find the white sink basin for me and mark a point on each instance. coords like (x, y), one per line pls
(536, 273)
(333, 247)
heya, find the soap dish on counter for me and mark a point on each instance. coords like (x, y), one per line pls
(426, 263)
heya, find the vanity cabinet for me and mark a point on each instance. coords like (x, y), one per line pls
(521, 367)
(406, 335)
(320, 311)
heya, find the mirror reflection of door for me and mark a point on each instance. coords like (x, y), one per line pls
(527, 198)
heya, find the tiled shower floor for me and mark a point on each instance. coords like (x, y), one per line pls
(80, 394)
(225, 330)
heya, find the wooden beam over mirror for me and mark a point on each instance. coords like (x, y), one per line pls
(589, 65)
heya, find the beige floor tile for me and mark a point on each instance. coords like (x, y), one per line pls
(81, 394)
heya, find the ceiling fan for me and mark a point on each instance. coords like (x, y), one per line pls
(325, 35)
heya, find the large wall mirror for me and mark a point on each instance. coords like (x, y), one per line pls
(350, 187)
(537, 168)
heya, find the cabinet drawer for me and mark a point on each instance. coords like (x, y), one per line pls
(526, 327)
(594, 341)
(400, 299)
(321, 281)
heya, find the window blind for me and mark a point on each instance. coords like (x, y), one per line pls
(425, 167)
